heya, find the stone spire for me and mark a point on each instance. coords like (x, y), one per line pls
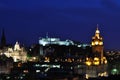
(3, 39)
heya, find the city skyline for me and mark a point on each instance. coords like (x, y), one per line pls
(26, 21)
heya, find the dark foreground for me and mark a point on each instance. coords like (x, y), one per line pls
(56, 77)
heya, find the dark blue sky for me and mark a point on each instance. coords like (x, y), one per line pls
(27, 20)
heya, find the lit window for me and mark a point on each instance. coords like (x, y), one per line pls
(88, 63)
(37, 71)
(25, 71)
(97, 59)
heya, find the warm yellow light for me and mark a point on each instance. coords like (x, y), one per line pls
(87, 58)
(100, 74)
(103, 74)
(93, 44)
(104, 58)
(96, 42)
(47, 59)
(86, 76)
(69, 60)
(96, 62)
(96, 59)
(97, 31)
(100, 43)
(88, 63)
(105, 61)
(34, 58)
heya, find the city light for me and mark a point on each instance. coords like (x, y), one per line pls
(96, 61)
(88, 63)
(52, 56)
(114, 71)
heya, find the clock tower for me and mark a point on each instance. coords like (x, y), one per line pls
(97, 45)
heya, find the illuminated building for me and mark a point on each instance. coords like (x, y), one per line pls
(96, 65)
(17, 53)
(88, 62)
(97, 45)
(47, 41)
(97, 49)
(48, 45)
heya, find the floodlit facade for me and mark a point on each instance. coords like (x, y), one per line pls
(97, 65)
(97, 46)
(47, 41)
(17, 53)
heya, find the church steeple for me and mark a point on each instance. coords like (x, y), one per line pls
(3, 39)
(97, 32)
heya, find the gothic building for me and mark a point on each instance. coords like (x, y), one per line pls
(17, 53)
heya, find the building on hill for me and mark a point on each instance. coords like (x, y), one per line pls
(17, 53)
(57, 41)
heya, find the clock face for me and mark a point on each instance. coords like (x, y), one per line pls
(96, 42)
(101, 43)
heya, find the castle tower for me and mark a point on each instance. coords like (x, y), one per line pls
(97, 45)
(3, 39)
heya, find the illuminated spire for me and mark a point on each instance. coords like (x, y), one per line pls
(97, 30)
(97, 47)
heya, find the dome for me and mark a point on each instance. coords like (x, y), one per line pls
(97, 31)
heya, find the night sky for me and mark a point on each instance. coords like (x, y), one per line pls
(27, 20)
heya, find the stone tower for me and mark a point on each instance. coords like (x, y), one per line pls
(97, 45)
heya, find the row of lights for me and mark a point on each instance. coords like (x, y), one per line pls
(96, 61)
